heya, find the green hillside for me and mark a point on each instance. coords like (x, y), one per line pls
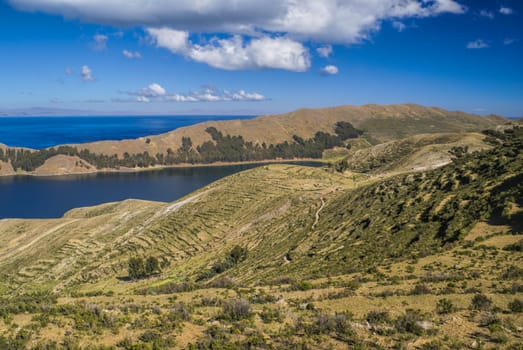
(285, 256)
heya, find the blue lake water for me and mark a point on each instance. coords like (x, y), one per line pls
(51, 197)
(42, 132)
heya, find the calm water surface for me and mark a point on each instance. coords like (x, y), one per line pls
(51, 197)
(42, 132)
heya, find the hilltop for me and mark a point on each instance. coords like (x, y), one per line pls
(305, 133)
(285, 256)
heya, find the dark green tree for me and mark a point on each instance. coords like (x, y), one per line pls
(136, 268)
(152, 266)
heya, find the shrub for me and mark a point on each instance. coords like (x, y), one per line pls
(330, 323)
(480, 302)
(303, 285)
(420, 289)
(513, 272)
(444, 306)
(516, 305)
(269, 315)
(222, 282)
(409, 322)
(378, 317)
(236, 309)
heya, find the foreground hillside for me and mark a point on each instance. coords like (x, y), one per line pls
(302, 134)
(283, 257)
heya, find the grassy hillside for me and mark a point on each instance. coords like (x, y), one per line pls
(380, 123)
(282, 257)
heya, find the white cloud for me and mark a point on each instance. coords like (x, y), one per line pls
(252, 34)
(325, 21)
(508, 41)
(399, 26)
(131, 54)
(505, 10)
(156, 89)
(330, 70)
(100, 42)
(153, 90)
(486, 13)
(156, 93)
(477, 44)
(87, 73)
(233, 53)
(68, 71)
(324, 51)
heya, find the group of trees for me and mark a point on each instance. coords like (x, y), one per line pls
(222, 148)
(139, 267)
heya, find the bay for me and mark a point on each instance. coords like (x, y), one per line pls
(51, 197)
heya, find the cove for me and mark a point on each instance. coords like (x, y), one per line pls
(51, 197)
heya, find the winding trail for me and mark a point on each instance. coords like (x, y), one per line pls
(317, 215)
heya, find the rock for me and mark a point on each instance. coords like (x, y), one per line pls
(425, 325)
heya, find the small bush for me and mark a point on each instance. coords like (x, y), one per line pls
(303, 285)
(516, 305)
(236, 309)
(444, 306)
(222, 282)
(420, 289)
(378, 317)
(269, 315)
(409, 322)
(513, 272)
(480, 302)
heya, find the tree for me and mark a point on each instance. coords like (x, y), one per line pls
(151, 265)
(238, 254)
(136, 268)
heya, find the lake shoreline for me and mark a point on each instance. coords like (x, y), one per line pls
(163, 167)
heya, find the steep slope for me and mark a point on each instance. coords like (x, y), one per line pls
(419, 152)
(312, 221)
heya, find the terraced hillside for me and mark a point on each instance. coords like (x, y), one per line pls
(282, 257)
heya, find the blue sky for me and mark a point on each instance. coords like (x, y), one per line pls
(260, 57)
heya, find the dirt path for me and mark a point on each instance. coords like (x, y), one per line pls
(317, 215)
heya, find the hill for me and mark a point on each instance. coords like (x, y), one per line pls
(283, 256)
(302, 134)
(380, 123)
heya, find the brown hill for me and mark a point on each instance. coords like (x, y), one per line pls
(380, 123)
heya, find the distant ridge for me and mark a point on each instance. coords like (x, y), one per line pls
(381, 123)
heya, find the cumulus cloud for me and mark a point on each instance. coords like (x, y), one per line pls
(477, 44)
(100, 42)
(252, 34)
(505, 10)
(234, 53)
(156, 93)
(330, 70)
(131, 54)
(87, 73)
(153, 90)
(334, 21)
(324, 51)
